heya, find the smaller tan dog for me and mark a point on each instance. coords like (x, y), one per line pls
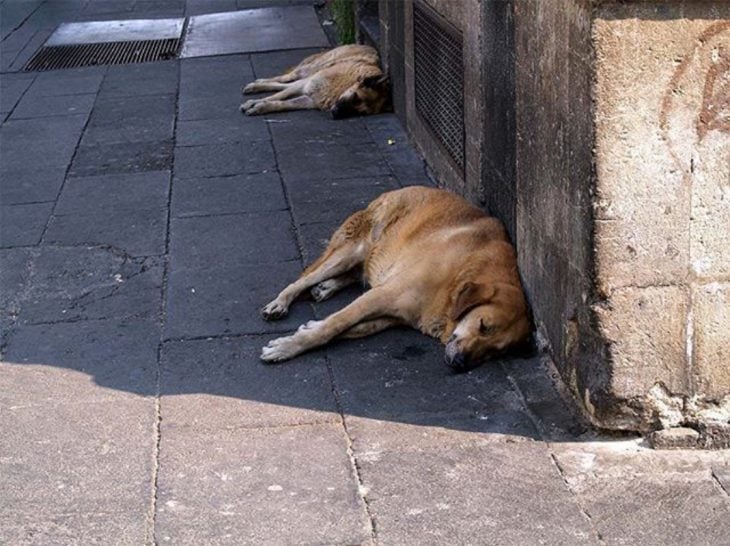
(433, 261)
(346, 81)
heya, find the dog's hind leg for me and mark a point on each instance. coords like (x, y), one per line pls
(275, 83)
(328, 288)
(369, 307)
(370, 327)
(267, 106)
(261, 86)
(345, 252)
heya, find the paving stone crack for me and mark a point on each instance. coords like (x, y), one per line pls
(717, 481)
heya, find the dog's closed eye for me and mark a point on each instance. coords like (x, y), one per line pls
(485, 329)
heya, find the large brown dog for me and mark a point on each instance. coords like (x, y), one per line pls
(434, 262)
(347, 81)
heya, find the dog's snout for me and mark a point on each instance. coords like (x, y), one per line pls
(342, 110)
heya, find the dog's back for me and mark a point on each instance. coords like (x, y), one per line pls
(343, 54)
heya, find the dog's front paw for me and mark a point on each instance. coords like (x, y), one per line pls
(248, 89)
(280, 349)
(311, 325)
(248, 104)
(274, 310)
(322, 291)
(254, 108)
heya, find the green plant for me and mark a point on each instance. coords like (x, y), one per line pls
(343, 12)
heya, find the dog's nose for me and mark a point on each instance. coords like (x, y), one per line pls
(338, 113)
(456, 362)
(342, 110)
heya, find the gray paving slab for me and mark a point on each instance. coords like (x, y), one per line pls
(139, 232)
(31, 184)
(538, 384)
(83, 283)
(321, 199)
(721, 473)
(262, 29)
(131, 119)
(15, 38)
(251, 4)
(273, 63)
(657, 511)
(71, 528)
(213, 107)
(314, 238)
(230, 128)
(636, 495)
(94, 32)
(63, 105)
(318, 128)
(229, 194)
(400, 155)
(25, 54)
(54, 141)
(231, 240)
(12, 14)
(14, 275)
(199, 7)
(151, 129)
(496, 493)
(201, 76)
(87, 361)
(110, 111)
(220, 384)
(391, 375)
(244, 487)
(132, 80)
(22, 225)
(72, 81)
(115, 192)
(122, 157)
(326, 158)
(231, 158)
(12, 87)
(214, 301)
(71, 473)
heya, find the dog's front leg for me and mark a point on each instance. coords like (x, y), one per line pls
(373, 304)
(268, 106)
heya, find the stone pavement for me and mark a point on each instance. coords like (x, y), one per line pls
(143, 222)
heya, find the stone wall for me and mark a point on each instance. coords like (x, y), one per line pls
(662, 229)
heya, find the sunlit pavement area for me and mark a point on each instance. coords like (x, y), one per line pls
(143, 223)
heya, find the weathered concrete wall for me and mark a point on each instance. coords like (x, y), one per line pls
(662, 230)
(554, 185)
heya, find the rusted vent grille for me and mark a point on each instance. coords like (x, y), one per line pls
(72, 56)
(439, 75)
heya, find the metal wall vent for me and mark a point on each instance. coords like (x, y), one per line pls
(439, 78)
(77, 55)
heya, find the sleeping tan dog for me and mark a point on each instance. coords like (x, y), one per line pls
(433, 261)
(346, 81)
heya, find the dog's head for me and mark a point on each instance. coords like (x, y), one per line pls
(371, 95)
(488, 318)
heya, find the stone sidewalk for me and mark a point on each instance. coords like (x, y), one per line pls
(143, 223)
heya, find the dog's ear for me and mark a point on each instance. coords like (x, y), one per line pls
(468, 296)
(379, 83)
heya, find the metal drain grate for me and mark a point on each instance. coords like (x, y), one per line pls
(73, 56)
(439, 78)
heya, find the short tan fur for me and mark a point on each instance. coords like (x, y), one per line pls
(345, 81)
(433, 262)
